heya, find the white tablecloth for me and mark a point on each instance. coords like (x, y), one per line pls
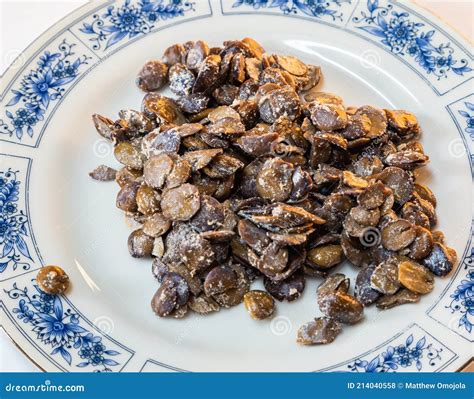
(23, 21)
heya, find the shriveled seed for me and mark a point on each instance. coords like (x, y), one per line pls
(415, 277)
(321, 330)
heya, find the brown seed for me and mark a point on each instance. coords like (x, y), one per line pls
(156, 225)
(140, 244)
(415, 277)
(425, 193)
(422, 245)
(135, 122)
(255, 47)
(278, 102)
(172, 295)
(363, 290)
(325, 256)
(165, 298)
(398, 235)
(342, 307)
(174, 54)
(203, 304)
(354, 251)
(259, 304)
(210, 215)
(399, 181)
(152, 76)
(274, 180)
(373, 196)
(161, 108)
(126, 197)
(223, 166)
(367, 166)
(274, 259)
(180, 203)
(402, 121)
(413, 213)
(52, 280)
(407, 160)
(225, 94)
(193, 103)
(320, 331)
(291, 64)
(327, 117)
(225, 285)
(288, 289)
(103, 173)
(181, 80)
(384, 278)
(253, 236)
(157, 169)
(441, 260)
(323, 97)
(334, 282)
(400, 298)
(195, 252)
(104, 126)
(208, 75)
(196, 55)
(166, 142)
(126, 175)
(147, 200)
(378, 120)
(351, 180)
(128, 155)
(180, 173)
(366, 217)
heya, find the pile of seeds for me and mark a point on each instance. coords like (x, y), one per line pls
(252, 172)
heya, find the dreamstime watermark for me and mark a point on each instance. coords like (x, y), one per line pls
(102, 148)
(47, 386)
(281, 149)
(370, 59)
(370, 237)
(104, 324)
(14, 58)
(281, 325)
(456, 148)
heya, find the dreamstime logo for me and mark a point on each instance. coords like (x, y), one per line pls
(456, 148)
(370, 59)
(370, 237)
(102, 148)
(280, 149)
(104, 324)
(453, 324)
(14, 58)
(281, 325)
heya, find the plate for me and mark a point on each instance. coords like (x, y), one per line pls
(385, 53)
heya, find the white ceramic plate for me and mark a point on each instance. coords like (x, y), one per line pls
(385, 53)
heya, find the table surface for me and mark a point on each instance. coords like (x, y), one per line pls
(23, 21)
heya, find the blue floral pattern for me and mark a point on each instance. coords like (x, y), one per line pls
(130, 20)
(41, 86)
(60, 329)
(403, 355)
(405, 37)
(13, 224)
(462, 301)
(469, 129)
(312, 8)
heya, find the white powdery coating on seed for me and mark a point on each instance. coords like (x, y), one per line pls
(181, 82)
